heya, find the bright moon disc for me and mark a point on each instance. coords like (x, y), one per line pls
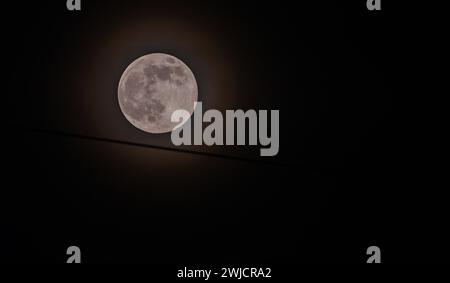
(152, 88)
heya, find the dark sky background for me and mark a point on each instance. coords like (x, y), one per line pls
(345, 178)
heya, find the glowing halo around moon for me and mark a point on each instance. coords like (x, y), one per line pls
(152, 88)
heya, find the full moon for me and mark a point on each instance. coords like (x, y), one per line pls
(152, 88)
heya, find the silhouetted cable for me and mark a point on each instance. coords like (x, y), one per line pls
(99, 139)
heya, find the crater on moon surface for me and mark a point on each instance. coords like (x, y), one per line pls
(152, 88)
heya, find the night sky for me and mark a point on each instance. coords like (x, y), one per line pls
(77, 172)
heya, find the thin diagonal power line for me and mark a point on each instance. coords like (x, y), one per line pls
(109, 140)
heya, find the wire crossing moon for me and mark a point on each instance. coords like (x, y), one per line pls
(152, 88)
